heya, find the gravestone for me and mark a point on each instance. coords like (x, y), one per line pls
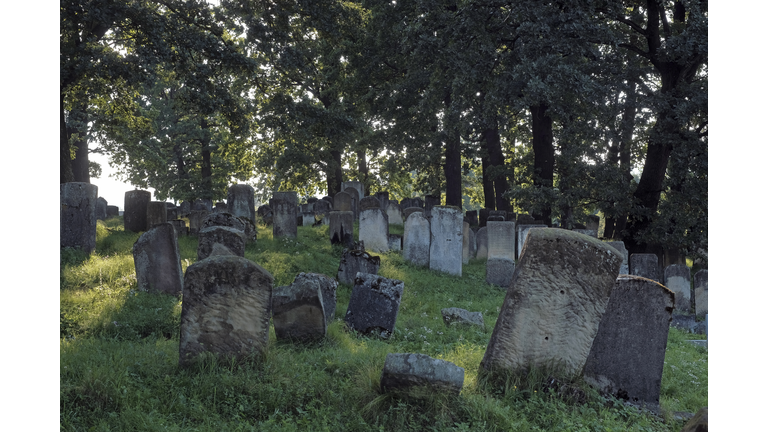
(354, 261)
(373, 229)
(395, 242)
(329, 199)
(383, 198)
(701, 292)
(525, 219)
(250, 230)
(355, 201)
(645, 265)
(483, 217)
(327, 287)
(522, 234)
(410, 210)
(220, 207)
(222, 219)
(471, 217)
(196, 219)
(157, 213)
(322, 209)
(135, 210)
(468, 245)
(593, 223)
(419, 375)
(501, 253)
(112, 211)
(241, 201)
(284, 214)
(554, 303)
(357, 186)
(340, 227)
(369, 202)
(180, 226)
(431, 201)
(374, 304)
(77, 215)
(627, 355)
(184, 208)
(226, 308)
(171, 213)
(481, 238)
(157, 260)
(446, 239)
(462, 317)
(101, 208)
(619, 245)
(494, 215)
(416, 239)
(394, 214)
(307, 215)
(677, 278)
(298, 313)
(411, 202)
(265, 214)
(589, 232)
(203, 204)
(232, 238)
(342, 201)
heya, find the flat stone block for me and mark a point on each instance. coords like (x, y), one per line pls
(419, 374)
(457, 317)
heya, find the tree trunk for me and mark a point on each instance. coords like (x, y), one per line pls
(334, 174)
(65, 164)
(206, 170)
(488, 194)
(452, 167)
(496, 162)
(543, 156)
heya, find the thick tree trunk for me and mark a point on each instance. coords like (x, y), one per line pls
(488, 194)
(65, 164)
(496, 162)
(334, 174)
(452, 166)
(206, 170)
(543, 156)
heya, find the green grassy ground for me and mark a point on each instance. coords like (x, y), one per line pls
(119, 356)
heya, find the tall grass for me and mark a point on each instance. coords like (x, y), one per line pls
(119, 357)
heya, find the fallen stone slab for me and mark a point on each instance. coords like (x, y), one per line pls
(420, 374)
(461, 317)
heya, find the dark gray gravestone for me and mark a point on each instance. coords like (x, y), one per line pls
(220, 207)
(184, 208)
(416, 239)
(431, 201)
(171, 213)
(203, 204)
(157, 260)
(233, 239)
(327, 287)
(593, 223)
(410, 210)
(180, 226)
(374, 304)
(340, 227)
(322, 209)
(462, 317)
(627, 355)
(420, 375)
(357, 186)
(645, 265)
(395, 242)
(196, 219)
(483, 217)
(369, 202)
(135, 210)
(525, 219)
(481, 238)
(223, 219)
(112, 211)
(354, 261)
(157, 213)
(619, 245)
(241, 202)
(298, 313)
(446, 239)
(383, 198)
(701, 292)
(265, 213)
(225, 308)
(471, 217)
(342, 201)
(554, 303)
(77, 213)
(329, 199)
(677, 278)
(101, 208)
(355, 195)
(284, 214)
(495, 214)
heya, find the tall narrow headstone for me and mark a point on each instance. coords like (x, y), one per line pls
(621, 248)
(645, 265)
(431, 201)
(284, 214)
(340, 227)
(483, 217)
(241, 201)
(373, 230)
(101, 208)
(701, 292)
(416, 239)
(501, 253)
(446, 239)
(157, 213)
(677, 278)
(482, 243)
(627, 355)
(135, 210)
(77, 213)
(356, 197)
(157, 260)
(468, 245)
(554, 303)
(225, 309)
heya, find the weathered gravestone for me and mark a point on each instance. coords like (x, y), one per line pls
(494, 215)
(525, 219)
(220, 207)
(203, 204)
(196, 219)
(627, 356)
(619, 245)
(342, 201)
(327, 287)
(322, 209)
(113, 211)
(483, 217)
(468, 245)
(593, 223)
(157, 213)
(225, 308)
(298, 313)
(678, 279)
(481, 238)
(588, 232)
(645, 265)
(184, 208)
(394, 214)
(232, 238)
(431, 201)
(284, 214)
(554, 303)
(383, 198)
(501, 253)
(171, 212)
(462, 317)
(340, 227)
(180, 226)
(471, 217)
(395, 242)
(411, 202)
(157, 260)
(354, 261)
(374, 227)
(101, 208)
(353, 193)
(241, 202)
(369, 202)
(701, 292)
(419, 375)
(265, 214)
(410, 210)
(446, 239)
(374, 304)
(307, 214)
(77, 214)
(135, 210)
(416, 239)
(357, 186)
(223, 219)
(522, 234)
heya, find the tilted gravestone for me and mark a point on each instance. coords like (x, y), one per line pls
(135, 210)
(522, 234)
(554, 303)
(619, 245)
(113, 211)
(701, 292)
(462, 317)
(410, 210)
(226, 308)
(265, 213)
(645, 265)
(468, 245)
(394, 214)
(374, 304)
(354, 261)
(77, 214)
(284, 214)
(501, 253)
(446, 239)
(157, 213)
(416, 239)
(627, 355)
(677, 278)
(157, 260)
(298, 313)
(101, 208)
(481, 238)
(340, 227)
(232, 238)
(420, 375)
(196, 219)
(373, 229)
(241, 201)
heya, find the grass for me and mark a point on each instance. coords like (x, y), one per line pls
(119, 357)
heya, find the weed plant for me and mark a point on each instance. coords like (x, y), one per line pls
(119, 352)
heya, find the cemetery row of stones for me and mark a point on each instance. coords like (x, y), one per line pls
(566, 305)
